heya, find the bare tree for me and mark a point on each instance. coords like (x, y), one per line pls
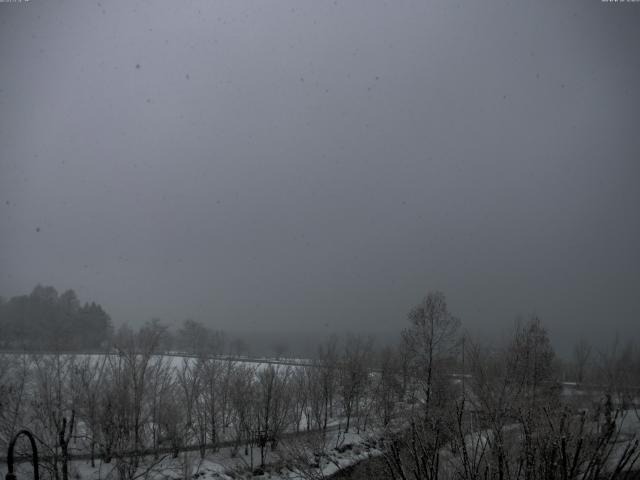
(353, 376)
(53, 408)
(430, 341)
(581, 357)
(300, 392)
(188, 380)
(273, 404)
(388, 387)
(518, 426)
(126, 412)
(160, 385)
(618, 372)
(211, 372)
(317, 409)
(88, 378)
(243, 399)
(15, 374)
(327, 369)
(172, 419)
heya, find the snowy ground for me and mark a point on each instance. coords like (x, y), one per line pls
(342, 450)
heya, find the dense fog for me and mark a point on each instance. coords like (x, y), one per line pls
(306, 239)
(315, 167)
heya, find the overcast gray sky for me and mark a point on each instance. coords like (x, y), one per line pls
(316, 166)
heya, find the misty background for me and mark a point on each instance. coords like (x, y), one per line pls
(307, 167)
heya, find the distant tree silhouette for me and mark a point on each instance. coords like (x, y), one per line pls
(44, 320)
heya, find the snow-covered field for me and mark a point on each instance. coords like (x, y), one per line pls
(293, 458)
(342, 450)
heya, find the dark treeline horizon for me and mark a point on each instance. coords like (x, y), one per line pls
(46, 320)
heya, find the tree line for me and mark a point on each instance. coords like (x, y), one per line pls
(133, 406)
(46, 320)
(438, 404)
